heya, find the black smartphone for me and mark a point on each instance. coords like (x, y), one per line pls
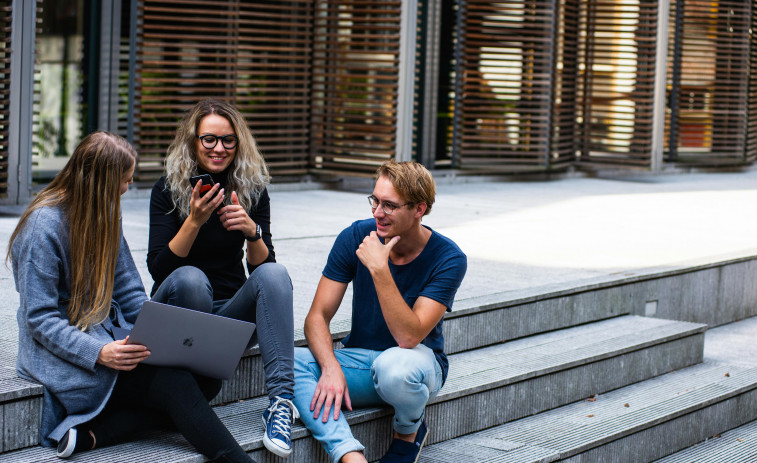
(207, 182)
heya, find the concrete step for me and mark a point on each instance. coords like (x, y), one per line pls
(637, 423)
(486, 387)
(469, 328)
(738, 445)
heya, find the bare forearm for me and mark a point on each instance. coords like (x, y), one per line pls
(319, 342)
(402, 321)
(184, 239)
(408, 325)
(257, 252)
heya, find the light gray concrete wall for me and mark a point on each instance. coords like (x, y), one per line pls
(713, 294)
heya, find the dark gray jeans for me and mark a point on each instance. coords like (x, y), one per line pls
(264, 299)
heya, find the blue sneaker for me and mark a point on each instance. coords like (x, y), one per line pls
(278, 419)
(401, 451)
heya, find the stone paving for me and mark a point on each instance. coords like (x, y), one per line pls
(520, 237)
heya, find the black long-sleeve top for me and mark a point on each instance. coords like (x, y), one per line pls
(216, 251)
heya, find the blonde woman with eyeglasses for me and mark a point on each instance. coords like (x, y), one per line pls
(210, 217)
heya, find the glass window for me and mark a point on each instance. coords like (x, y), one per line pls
(59, 101)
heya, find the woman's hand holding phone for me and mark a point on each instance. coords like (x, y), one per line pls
(201, 206)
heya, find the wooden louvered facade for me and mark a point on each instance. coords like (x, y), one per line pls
(256, 55)
(506, 86)
(616, 84)
(355, 84)
(317, 81)
(507, 55)
(564, 97)
(711, 83)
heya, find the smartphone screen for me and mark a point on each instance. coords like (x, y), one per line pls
(207, 182)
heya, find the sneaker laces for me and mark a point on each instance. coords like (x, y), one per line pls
(281, 422)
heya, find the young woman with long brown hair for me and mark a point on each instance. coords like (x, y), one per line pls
(77, 281)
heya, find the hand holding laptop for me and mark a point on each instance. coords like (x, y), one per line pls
(203, 343)
(120, 355)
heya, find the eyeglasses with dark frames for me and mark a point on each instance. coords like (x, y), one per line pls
(388, 208)
(210, 141)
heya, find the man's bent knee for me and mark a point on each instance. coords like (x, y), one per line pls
(400, 374)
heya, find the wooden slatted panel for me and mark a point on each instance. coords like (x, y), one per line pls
(751, 143)
(6, 11)
(273, 79)
(123, 70)
(505, 101)
(564, 139)
(187, 51)
(713, 80)
(253, 54)
(355, 84)
(617, 88)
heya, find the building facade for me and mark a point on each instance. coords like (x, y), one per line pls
(336, 87)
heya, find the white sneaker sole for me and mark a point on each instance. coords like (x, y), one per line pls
(70, 445)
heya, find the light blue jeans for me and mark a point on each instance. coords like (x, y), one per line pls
(264, 299)
(406, 379)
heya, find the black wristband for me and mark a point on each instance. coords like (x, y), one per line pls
(258, 235)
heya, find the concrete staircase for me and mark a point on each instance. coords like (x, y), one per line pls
(558, 377)
(637, 423)
(527, 380)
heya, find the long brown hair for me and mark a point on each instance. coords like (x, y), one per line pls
(88, 190)
(248, 173)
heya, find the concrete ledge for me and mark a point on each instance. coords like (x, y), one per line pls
(713, 293)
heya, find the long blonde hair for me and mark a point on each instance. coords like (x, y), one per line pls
(89, 191)
(249, 174)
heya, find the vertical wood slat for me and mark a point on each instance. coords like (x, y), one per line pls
(504, 108)
(355, 84)
(123, 70)
(6, 11)
(713, 87)
(564, 131)
(617, 89)
(750, 152)
(252, 54)
(36, 89)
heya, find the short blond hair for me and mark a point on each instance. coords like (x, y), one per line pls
(412, 181)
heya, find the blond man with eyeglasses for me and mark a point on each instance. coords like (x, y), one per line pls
(405, 276)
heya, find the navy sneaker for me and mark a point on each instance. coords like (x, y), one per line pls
(405, 452)
(67, 444)
(278, 419)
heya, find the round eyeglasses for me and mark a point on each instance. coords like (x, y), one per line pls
(388, 208)
(210, 141)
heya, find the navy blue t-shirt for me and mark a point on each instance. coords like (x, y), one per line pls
(436, 274)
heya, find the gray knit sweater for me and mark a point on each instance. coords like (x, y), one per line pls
(50, 350)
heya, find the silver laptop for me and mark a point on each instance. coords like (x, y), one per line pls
(202, 343)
